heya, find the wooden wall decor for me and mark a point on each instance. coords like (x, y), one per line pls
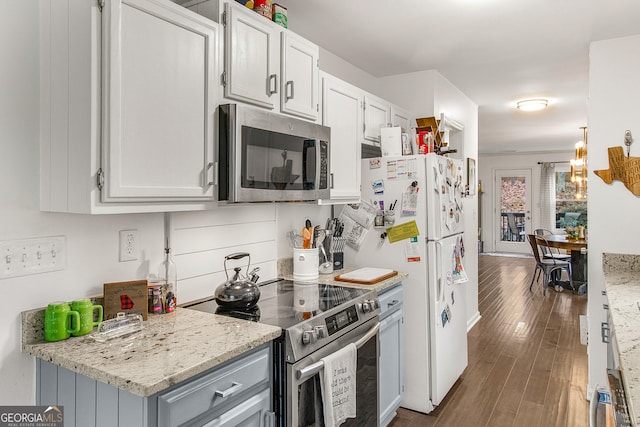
(622, 168)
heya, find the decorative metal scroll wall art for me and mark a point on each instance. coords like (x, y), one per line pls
(623, 168)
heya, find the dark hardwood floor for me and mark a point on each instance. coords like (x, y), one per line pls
(526, 364)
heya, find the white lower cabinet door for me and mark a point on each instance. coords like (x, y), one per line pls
(391, 371)
(253, 412)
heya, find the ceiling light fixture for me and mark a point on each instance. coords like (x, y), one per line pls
(532, 104)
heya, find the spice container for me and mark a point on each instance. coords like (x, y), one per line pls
(263, 7)
(279, 14)
(155, 299)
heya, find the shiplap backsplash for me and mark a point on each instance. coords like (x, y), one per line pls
(201, 240)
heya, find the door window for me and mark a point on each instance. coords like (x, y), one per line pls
(513, 191)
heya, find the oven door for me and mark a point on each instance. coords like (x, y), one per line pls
(303, 387)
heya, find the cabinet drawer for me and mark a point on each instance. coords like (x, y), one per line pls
(390, 300)
(213, 390)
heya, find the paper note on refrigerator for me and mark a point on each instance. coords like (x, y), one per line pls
(459, 275)
(412, 249)
(402, 231)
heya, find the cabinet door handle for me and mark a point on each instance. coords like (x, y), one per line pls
(392, 303)
(289, 93)
(228, 392)
(209, 179)
(331, 181)
(273, 84)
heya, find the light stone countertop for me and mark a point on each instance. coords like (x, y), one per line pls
(171, 348)
(622, 283)
(285, 270)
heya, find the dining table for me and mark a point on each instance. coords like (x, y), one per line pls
(578, 249)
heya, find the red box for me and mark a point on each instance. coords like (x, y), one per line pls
(425, 142)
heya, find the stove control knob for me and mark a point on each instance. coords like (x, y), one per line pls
(366, 307)
(370, 305)
(321, 331)
(308, 337)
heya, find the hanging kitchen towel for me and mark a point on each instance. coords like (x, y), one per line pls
(339, 385)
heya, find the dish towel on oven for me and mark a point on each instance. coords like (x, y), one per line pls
(339, 385)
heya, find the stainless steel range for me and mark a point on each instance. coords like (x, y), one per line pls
(316, 320)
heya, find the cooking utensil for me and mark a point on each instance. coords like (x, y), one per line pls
(327, 266)
(238, 292)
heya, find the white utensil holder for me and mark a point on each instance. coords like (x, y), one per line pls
(305, 264)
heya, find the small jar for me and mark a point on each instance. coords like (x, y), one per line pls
(168, 282)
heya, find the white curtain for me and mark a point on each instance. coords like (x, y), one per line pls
(548, 196)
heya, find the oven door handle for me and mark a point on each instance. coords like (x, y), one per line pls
(314, 368)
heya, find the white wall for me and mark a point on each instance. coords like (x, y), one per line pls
(342, 69)
(487, 166)
(613, 210)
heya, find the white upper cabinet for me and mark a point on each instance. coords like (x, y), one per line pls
(342, 112)
(377, 114)
(127, 105)
(159, 100)
(401, 117)
(252, 57)
(299, 77)
(265, 64)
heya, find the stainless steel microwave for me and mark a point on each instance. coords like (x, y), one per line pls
(266, 157)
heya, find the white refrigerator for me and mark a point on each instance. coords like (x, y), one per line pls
(427, 189)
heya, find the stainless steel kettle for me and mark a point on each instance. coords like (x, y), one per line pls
(239, 292)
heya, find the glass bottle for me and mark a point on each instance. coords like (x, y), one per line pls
(168, 282)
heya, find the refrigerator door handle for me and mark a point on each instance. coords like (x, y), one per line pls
(439, 289)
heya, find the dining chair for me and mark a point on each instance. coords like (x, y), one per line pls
(547, 251)
(516, 232)
(547, 266)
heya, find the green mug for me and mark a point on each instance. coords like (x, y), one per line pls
(86, 309)
(58, 321)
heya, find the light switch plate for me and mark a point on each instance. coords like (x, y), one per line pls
(32, 256)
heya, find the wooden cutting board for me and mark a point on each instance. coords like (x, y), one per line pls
(366, 276)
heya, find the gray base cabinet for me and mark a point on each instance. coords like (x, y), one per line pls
(237, 393)
(391, 354)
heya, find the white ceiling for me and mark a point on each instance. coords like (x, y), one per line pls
(495, 51)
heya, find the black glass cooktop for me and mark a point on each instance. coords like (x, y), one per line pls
(286, 303)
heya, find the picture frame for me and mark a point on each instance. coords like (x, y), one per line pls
(471, 176)
(126, 297)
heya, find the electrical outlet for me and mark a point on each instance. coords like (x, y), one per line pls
(584, 330)
(128, 245)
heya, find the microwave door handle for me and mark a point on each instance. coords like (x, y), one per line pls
(314, 368)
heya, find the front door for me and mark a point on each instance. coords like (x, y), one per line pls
(512, 210)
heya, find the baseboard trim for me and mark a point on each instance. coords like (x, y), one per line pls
(474, 319)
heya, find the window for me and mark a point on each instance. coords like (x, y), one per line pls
(570, 212)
